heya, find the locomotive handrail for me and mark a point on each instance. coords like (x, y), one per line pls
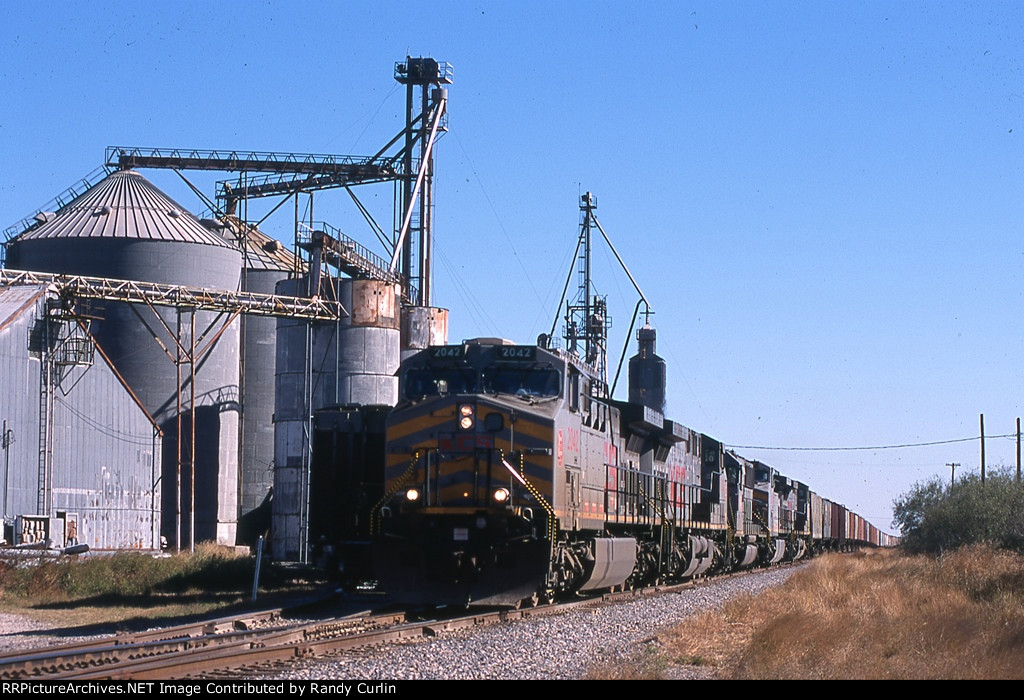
(535, 492)
(375, 513)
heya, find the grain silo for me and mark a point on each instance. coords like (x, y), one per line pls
(267, 262)
(647, 372)
(423, 326)
(126, 228)
(353, 362)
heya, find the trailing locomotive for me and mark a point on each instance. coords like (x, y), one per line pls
(512, 476)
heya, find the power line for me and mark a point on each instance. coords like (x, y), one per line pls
(501, 225)
(108, 430)
(874, 447)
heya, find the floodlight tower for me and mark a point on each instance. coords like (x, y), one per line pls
(414, 239)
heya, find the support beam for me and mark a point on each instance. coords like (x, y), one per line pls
(277, 184)
(176, 296)
(248, 161)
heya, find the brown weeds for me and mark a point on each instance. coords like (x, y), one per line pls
(880, 616)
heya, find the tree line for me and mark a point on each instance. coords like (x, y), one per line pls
(936, 516)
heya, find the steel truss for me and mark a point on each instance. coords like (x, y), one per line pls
(151, 294)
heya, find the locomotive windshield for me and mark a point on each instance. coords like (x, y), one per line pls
(439, 381)
(521, 381)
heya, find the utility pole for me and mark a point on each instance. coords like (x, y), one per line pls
(952, 471)
(1018, 449)
(981, 417)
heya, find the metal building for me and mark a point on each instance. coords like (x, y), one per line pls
(181, 363)
(80, 455)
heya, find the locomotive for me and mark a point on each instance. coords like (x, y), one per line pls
(512, 476)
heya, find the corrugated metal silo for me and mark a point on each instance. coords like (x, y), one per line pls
(351, 362)
(126, 228)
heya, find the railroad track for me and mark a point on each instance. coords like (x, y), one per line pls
(246, 643)
(177, 651)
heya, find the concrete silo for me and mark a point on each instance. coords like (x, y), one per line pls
(267, 262)
(352, 362)
(126, 228)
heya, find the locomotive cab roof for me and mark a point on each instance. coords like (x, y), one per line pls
(488, 341)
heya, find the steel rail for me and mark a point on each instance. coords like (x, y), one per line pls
(221, 648)
(118, 656)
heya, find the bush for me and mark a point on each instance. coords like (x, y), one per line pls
(935, 517)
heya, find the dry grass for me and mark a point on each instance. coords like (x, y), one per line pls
(132, 585)
(875, 616)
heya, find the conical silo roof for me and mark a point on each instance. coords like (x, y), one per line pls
(124, 205)
(125, 228)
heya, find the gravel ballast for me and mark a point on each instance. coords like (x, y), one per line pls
(564, 646)
(561, 646)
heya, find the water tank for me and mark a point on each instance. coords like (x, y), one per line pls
(647, 372)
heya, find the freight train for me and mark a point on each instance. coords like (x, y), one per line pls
(512, 477)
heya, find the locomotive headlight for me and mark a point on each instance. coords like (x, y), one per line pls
(412, 495)
(466, 416)
(501, 495)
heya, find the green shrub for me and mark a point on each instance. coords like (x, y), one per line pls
(935, 517)
(209, 569)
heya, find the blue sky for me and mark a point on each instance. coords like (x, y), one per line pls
(821, 200)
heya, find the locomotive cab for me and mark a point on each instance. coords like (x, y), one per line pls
(469, 474)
